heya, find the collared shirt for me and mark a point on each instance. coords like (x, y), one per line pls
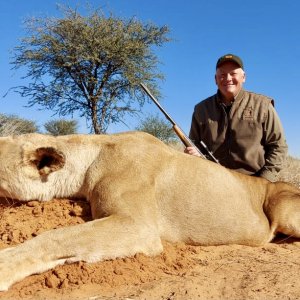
(249, 138)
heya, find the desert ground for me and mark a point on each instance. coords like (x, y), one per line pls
(180, 272)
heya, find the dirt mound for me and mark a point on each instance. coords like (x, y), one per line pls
(180, 272)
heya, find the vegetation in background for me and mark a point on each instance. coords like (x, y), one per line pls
(89, 64)
(61, 127)
(291, 171)
(14, 125)
(159, 128)
(11, 124)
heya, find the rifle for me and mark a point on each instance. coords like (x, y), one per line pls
(183, 137)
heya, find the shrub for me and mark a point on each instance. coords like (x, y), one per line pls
(13, 125)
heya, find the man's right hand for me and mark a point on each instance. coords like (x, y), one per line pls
(191, 151)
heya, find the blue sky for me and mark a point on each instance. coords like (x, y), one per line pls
(265, 34)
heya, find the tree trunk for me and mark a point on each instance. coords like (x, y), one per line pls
(97, 129)
(95, 122)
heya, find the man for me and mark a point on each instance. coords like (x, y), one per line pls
(241, 128)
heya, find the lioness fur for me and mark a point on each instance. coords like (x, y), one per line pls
(141, 192)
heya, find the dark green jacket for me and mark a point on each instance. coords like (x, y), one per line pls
(249, 138)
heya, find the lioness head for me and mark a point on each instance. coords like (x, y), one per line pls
(25, 165)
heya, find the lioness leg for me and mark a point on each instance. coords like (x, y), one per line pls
(283, 209)
(111, 237)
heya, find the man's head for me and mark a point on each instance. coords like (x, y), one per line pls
(230, 76)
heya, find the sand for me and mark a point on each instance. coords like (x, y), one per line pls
(180, 272)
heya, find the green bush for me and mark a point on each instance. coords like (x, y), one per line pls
(61, 127)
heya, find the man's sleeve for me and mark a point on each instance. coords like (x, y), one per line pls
(275, 146)
(194, 134)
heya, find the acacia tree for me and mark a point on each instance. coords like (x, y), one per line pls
(89, 64)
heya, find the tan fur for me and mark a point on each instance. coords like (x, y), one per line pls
(140, 191)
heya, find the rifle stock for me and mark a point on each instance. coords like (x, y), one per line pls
(182, 136)
(185, 140)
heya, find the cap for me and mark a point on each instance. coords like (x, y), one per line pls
(230, 57)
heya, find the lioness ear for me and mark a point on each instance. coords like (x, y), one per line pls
(47, 160)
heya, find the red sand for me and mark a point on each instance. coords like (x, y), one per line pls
(180, 272)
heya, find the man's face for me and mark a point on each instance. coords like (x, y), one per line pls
(229, 79)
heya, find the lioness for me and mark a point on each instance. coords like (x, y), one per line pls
(140, 192)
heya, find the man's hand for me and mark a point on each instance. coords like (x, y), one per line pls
(191, 151)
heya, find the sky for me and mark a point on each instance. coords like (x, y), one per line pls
(264, 33)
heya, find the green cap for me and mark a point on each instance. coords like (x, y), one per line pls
(230, 57)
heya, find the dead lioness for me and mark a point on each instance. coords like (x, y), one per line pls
(141, 192)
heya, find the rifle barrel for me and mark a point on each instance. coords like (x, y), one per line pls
(157, 103)
(180, 133)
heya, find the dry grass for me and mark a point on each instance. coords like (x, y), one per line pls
(13, 125)
(291, 171)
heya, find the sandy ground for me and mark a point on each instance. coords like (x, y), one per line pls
(180, 272)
